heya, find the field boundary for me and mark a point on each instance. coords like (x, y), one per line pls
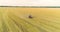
(33, 6)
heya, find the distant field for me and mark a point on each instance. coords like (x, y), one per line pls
(17, 19)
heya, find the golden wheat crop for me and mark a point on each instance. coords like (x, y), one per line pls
(14, 19)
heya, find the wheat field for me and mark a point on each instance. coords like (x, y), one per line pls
(16, 19)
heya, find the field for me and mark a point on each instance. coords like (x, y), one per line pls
(16, 19)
